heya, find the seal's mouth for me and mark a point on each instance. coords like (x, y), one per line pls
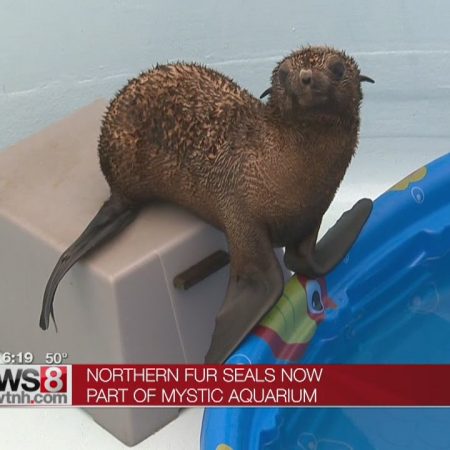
(310, 97)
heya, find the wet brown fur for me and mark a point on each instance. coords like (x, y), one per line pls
(188, 134)
(264, 173)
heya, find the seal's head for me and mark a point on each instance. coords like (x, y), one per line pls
(316, 80)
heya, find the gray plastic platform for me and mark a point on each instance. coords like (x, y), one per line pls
(119, 304)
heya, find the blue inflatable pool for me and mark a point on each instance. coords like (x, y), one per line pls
(387, 302)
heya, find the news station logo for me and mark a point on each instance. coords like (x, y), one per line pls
(35, 385)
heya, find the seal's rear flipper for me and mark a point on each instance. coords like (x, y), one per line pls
(254, 287)
(317, 260)
(112, 217)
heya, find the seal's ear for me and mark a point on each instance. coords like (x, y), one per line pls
(364, 78)
(266, 93)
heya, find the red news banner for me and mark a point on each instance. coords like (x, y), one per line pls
(228, 385)
(199, 385)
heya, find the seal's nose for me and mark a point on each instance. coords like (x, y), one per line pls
(306, 76)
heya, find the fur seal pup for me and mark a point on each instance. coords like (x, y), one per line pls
(263, 173)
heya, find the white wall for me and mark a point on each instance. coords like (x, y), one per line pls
(56, 55)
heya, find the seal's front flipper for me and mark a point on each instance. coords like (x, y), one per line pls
(317, 260)
(248, 298)
(256, 283)
(337, 241)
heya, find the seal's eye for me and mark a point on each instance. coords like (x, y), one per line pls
(314, 297)
(338, 70)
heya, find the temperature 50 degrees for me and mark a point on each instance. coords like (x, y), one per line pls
(55, 358)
